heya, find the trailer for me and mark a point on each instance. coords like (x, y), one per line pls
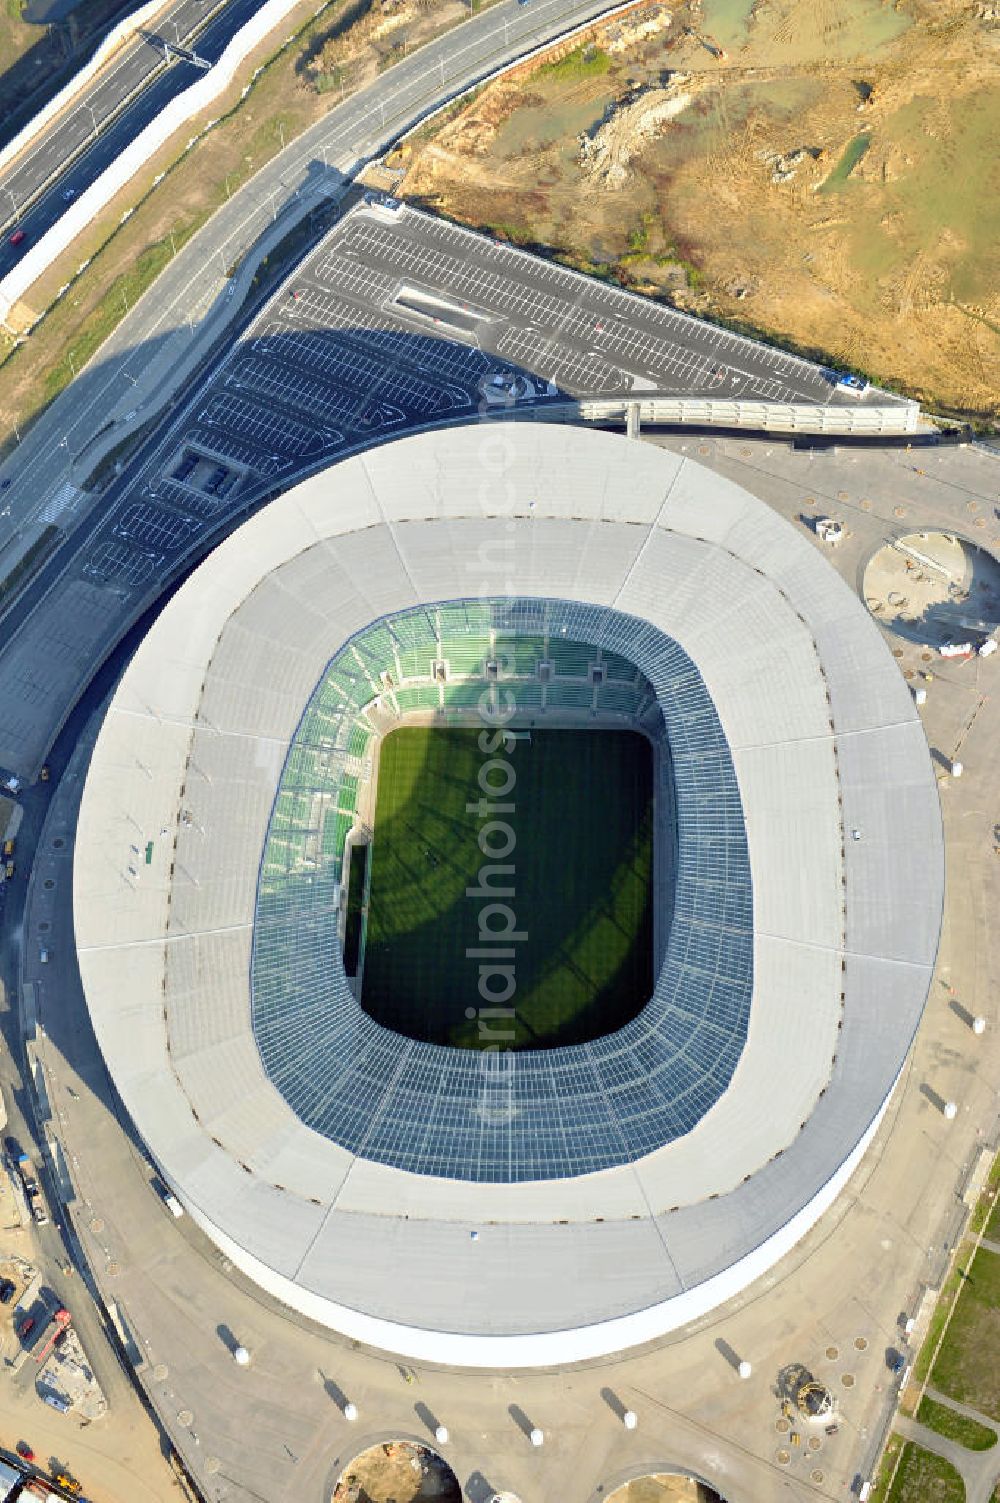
(33, 1194)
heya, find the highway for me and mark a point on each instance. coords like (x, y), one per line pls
(175, 322)
(126, 95)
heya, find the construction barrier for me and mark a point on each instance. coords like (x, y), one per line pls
(83, 210)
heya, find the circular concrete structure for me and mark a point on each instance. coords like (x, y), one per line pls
(934, 588)
(838, 825)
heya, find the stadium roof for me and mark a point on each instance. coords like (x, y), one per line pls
(539, 1114)
(842, 828)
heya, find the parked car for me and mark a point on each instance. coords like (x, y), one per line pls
(853, 383)
(26, 1327)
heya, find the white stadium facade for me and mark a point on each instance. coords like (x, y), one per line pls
(576, 1201)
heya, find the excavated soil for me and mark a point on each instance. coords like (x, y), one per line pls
(398, 1472)
(832, 181)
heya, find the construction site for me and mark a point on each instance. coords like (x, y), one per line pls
(854, 211)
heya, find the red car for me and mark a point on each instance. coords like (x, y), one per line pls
(26, 1327)
(17, 237)
(23, 1449)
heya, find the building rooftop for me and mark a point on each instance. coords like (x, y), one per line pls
(823, 740)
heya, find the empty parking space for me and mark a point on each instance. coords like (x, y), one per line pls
(265, 428)
(153, 528)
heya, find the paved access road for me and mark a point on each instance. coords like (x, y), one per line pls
(276, 1430)
(187, 308)
(397, 320)
(137, 84)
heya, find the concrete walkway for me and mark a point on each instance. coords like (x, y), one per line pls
(980, 1470)
(277, 1430)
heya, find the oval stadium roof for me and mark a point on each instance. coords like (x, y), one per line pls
(842, 833)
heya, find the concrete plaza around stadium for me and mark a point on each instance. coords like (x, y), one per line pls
(276, 1430)
(842, 823)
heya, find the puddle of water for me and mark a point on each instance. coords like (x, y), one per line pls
(797, 32)
(725, 21)
(851, 156)
(535, 127)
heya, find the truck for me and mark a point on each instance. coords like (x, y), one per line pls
(33, 1194)
(47, 1332)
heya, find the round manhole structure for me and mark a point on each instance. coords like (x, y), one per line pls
(934, 588)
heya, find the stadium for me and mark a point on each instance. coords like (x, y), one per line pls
(506, 889)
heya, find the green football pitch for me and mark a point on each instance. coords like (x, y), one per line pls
(582, 826)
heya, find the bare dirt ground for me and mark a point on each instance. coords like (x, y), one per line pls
(398, 1473)
(831, 180)
(664, 1488)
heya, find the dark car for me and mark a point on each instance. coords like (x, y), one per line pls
(7, 1291)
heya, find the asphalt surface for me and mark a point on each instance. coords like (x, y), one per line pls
(35, 189)
(276, 1430)
(173, 311)
(396, 321)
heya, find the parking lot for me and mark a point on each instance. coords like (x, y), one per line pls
(398, 319)
(394, 321)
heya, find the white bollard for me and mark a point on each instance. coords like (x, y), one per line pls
(537, 1437)
(441, 1435)
(350, 1411)
(630, 1419)
(956, 769)
(241, 1356)
(950, 1111)
(979, 1025)
(744, 1369)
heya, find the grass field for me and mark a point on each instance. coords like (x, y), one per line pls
(923, 1477)
(968, 1364)
(954, 1426)
(583, 827)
